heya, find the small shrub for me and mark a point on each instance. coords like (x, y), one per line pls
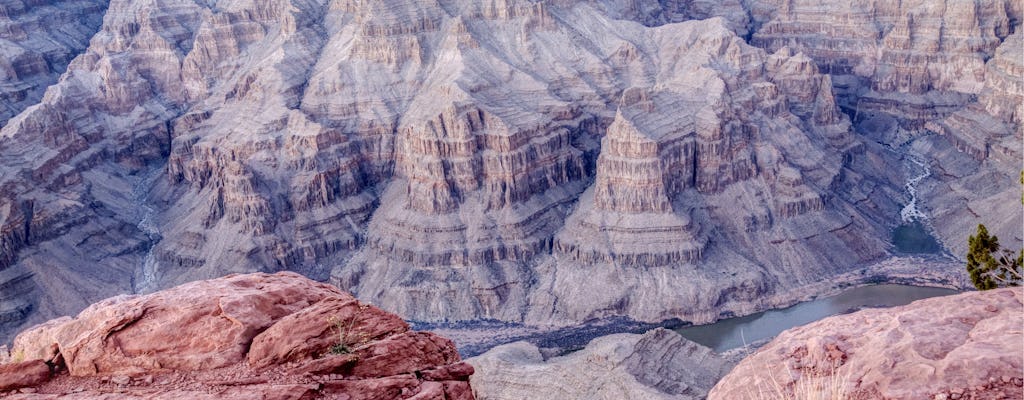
(342, 330)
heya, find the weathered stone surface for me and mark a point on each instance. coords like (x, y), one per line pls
(927, 349)
(23, 374)
(659, 364)
(950, 68)
(193, 341)
(303, 334)
(199, 325)
(978, 152)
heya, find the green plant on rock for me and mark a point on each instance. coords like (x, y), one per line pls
(991, 266)
(342, 330)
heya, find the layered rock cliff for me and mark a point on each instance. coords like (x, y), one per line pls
(963, 346)
(918, 60)
(939, 80)
(37, 41)
(983, 186)
(237, 337)
(536, 162)
(659, 364)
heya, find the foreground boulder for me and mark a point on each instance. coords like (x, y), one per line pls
(967, 346)
(658, 365)
(278, 336)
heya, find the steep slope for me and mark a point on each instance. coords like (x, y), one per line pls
(963, 346)
(983, 186)
(919, 60)
(37, 41)
(908, 70)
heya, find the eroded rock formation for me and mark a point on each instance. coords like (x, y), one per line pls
(241, 336)
(37, 41)
(535, 162)
(939, 80)
(963, 346)
(918, 60)
(657, 365)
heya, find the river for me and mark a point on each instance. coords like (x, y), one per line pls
(145, 278)
(734, 333)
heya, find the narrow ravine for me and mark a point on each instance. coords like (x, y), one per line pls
(145, 277)
(911, 212)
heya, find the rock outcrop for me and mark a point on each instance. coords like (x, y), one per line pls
(657, 365)
(963, 346)
(241, 336)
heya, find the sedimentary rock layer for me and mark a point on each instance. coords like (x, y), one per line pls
(918, 60)
(37, 41)
(537, 162)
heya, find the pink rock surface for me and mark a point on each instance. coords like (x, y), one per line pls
(241, 336)
(299, 335)
(23, 374)
(963, 346)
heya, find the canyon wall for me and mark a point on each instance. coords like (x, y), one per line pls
(532, 162)
(38, 39)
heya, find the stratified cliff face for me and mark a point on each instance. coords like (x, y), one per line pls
(919, 60)
(526, 161)
(978, 152)
(938, 80)
(610, 177)
(966, 346)
(37, 41)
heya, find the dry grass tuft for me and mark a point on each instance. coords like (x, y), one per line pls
(810, 386)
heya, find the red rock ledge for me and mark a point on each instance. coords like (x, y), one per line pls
(967, 346)
(254, 336)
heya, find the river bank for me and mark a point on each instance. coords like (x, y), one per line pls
(475, 337)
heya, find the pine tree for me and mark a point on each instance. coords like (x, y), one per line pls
(979, 258)
(986, 270)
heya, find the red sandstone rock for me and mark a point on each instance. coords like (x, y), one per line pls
(334, 364)
(405, 353)
(451, 372)
(934, 348)
(306, 333)
(238, 337)
(23, 374)
(199, 325)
